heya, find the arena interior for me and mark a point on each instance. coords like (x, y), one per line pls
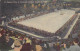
(44, 25)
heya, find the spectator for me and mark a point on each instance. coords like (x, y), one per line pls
(38, 47)
(0, 35)
(17, 45)
(75, 47)
(58, 46)
(26, 46)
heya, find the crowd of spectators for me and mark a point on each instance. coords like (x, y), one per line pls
(11, 40)
(76, 28)
(70, 44)
(28, 16)
(14, 10)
